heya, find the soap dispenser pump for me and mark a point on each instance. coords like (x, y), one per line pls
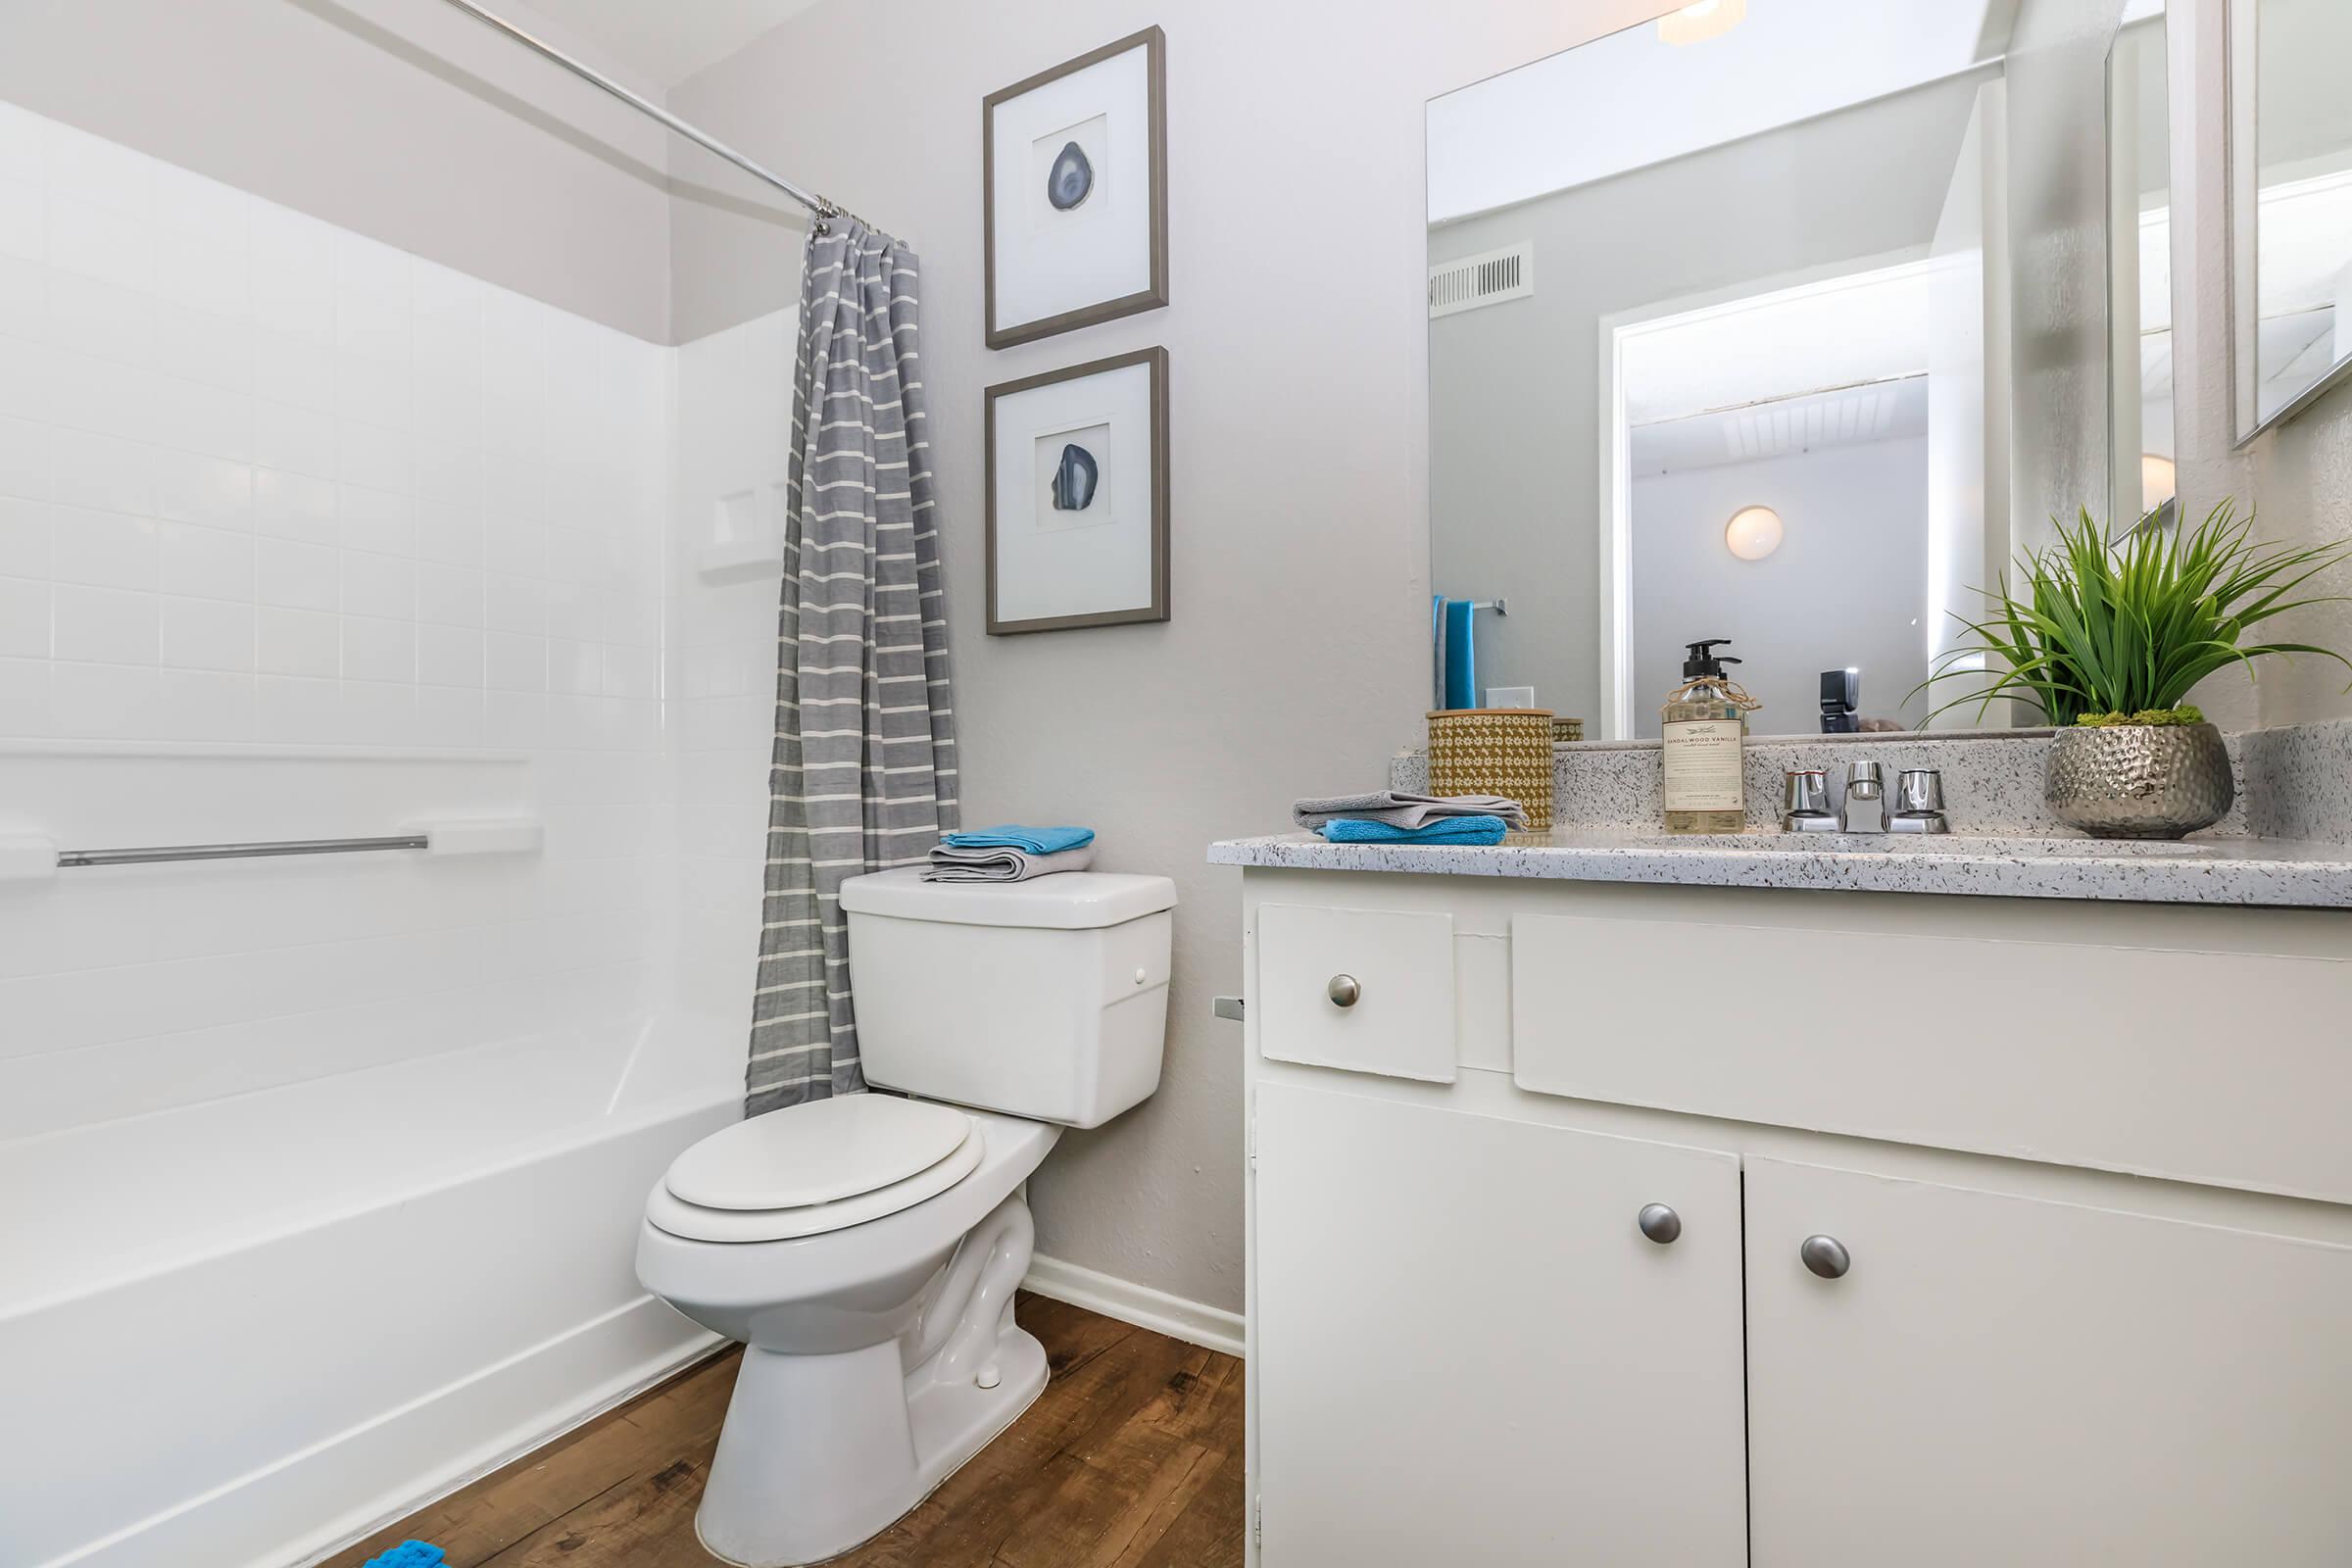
(1705, 729)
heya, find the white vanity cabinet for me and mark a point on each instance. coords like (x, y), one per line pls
(2001, 1378)
(2095, 1309)
(1462, 1337)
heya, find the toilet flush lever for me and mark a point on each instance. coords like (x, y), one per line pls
(1230, 1008)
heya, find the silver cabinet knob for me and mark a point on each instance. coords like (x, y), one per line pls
(1826, 1255)
(1344, 991)
(1659, 1223)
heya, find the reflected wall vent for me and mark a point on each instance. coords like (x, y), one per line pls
(1490, 279)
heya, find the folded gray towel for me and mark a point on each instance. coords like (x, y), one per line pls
(1398, 809)
(1002, 863)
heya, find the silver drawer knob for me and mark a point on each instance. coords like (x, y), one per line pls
(1659, 1223)
(1344, 991)
(1826, 1255)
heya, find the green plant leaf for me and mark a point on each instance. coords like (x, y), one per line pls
(2103, 626)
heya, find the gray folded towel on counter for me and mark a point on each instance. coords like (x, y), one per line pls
(1002, 863)
(1398, 809)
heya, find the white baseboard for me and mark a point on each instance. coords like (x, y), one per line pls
(1211, 1326)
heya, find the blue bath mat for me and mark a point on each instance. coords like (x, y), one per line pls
(408, 1554)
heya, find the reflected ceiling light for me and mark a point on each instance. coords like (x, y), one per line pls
(2159, 482)
(1753, 532)
(1696, 24)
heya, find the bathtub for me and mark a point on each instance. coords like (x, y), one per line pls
(240, 1334)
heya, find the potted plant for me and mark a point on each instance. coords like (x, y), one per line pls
(2108, 636)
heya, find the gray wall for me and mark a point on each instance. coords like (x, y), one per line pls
(1296, 659)
(2057, 76)
(1515, 402)
(402, 119)
(1847, 585)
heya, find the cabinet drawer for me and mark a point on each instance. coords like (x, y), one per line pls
(2227, 1068)
(1400, 1022)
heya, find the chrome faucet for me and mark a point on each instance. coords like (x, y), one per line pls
(1865, 809)
(1918, 803)
(1806, 802)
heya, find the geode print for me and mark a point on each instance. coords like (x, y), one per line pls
(1074, 480)
(1072, 178)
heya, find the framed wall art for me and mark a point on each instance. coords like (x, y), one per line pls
(1075, 193)
(1078, 496)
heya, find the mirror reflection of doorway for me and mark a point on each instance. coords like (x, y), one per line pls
(1774, 482)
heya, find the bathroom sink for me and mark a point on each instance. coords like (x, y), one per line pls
(2015, 848)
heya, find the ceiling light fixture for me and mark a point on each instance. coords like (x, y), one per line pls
(1753, 532)
(1696, 24)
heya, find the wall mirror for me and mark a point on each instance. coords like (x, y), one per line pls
(1730, 336)
(2141, 248)
(2291, 203)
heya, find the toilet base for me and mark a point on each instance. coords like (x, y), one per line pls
(794, 1518)
(821, 1454)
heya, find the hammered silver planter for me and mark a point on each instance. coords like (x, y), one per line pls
(2139, 781)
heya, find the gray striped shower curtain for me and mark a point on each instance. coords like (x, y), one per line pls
(864, 775)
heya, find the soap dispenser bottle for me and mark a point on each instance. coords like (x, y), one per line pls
(1705, 726)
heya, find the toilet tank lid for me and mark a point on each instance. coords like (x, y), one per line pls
(1067, 901)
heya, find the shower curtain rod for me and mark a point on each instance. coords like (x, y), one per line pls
(815, 204)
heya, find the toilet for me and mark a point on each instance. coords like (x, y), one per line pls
(865, 1248)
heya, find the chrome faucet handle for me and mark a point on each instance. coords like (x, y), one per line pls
(1865, 809)
(1918, 803)
(1919, 789)
(1805, 802)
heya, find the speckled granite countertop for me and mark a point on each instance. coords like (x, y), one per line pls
(2218, 870)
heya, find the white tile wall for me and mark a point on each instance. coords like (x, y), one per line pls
(263, 481)
(733, 422)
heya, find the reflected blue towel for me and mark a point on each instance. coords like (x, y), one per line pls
(1461, 654)
(1013, 836)
(1444, 830)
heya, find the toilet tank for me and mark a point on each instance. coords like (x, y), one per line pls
(1046, 998)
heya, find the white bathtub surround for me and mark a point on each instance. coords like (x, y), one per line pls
(305, 537)
(308, 1303)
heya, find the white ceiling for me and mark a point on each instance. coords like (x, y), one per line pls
(666, 41)
(1629, 99)
(1864, 328)
(1883, 410)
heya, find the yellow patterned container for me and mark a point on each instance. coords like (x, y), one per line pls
(1567, 731)
(1494, 751)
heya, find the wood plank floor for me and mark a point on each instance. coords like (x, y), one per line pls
(1132, 1458)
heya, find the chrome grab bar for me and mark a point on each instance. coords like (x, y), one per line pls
(237, 852)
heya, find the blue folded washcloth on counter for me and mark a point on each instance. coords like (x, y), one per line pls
(1443, 830)
(1030, 840)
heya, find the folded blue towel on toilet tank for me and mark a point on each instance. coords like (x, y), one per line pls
(1013, 836)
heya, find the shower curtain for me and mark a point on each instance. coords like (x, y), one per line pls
(863, 771)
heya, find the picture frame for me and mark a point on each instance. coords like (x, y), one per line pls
(1074, 192)
(1060, 445)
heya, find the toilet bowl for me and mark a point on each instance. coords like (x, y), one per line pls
(865, 1248)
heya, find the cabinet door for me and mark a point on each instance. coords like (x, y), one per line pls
(2000, 1379)
(1466, 1350)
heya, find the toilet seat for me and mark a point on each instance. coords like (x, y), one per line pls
(816, 1167)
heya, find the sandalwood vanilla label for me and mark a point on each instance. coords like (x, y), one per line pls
(1702, 766)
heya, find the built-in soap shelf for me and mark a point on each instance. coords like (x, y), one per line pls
(747, 535)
